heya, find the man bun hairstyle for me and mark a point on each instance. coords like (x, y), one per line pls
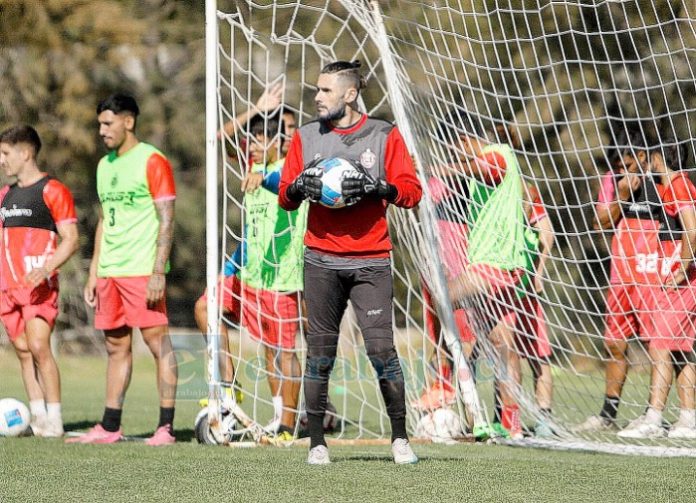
(348, 70)
(22, 134)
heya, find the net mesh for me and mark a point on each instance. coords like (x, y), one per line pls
(562, 82)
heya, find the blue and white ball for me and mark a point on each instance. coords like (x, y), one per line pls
(14, 418)
(335, 169)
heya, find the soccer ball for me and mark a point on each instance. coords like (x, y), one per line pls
(14, 418)
(335, 169)
(441, 426)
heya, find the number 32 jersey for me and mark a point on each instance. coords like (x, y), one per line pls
(647, 246)
(128, 186)
(29, 217)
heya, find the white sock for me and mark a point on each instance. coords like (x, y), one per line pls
(653, 416)
(688, 416)
(277, 407)
(54, 410)
(37, 408)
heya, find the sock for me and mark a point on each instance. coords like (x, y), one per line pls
(610, 407)
(688, 416)
(283, 428)
(315, 425)
(54, 411)
(398, 427)
(228, 392)
(511, 418)
(37, 408)
(112, 419)
(653, 416)
(277, 407)
(167, 418)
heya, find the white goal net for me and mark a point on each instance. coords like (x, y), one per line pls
(576, 90)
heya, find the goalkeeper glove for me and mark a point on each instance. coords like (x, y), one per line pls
(357, 185)
(308, 185)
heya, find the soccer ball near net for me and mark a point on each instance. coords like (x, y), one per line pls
(14, 418)
(441, 426)
(335, 169)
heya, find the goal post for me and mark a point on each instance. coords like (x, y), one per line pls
(560, 85)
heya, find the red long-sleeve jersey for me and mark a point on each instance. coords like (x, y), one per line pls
(359, 230)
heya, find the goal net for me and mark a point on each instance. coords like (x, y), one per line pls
(569, 91)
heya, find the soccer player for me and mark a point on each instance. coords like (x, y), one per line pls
(271, 275)
(449, 193)
(34, 211)
(529, 320)
(348, 249)
(626, 295)
(496, 246)
(667, 198)
(126, 281)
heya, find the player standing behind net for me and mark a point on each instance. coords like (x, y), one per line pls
(629, 249)
(496, 250)
(271, 274)
(126, 281)
(33, 212)
(667, 197)
(268, 103)
(348, 249)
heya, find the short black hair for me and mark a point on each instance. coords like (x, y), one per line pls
(673, 152)
(350, 70)
(119, 103)
(22, 134)
(268, 126)
(459, 122)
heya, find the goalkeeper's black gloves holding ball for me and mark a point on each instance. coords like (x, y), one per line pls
(357, 185)
(308, 185)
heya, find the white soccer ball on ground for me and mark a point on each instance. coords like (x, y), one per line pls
(14, 418)
(442, 426)
(335, 169)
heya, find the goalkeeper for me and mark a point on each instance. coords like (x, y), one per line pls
(348, 249)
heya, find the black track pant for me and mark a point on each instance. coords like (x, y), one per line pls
(327, 292)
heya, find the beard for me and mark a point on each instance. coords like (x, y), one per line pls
(334, 114)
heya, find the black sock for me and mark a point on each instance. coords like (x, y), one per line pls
(111, 421)
(398, 428)
(610, 407)
(315, 424)
(283, 428)
(167, 418)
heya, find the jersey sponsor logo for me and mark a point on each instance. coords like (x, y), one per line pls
(368, 159)
(639, 207)
(118, 197)
(14, 212)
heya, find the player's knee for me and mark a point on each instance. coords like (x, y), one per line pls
(616, 349)
(387, 365)
(318, 367)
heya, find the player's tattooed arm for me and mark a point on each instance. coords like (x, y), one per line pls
(165, 215)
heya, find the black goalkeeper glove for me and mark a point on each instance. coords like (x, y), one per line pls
(308, 185)
(355, 186)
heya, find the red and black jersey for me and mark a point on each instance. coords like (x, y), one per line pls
(359, 230)
(29, 217)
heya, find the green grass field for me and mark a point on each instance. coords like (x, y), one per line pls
(47, 470)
